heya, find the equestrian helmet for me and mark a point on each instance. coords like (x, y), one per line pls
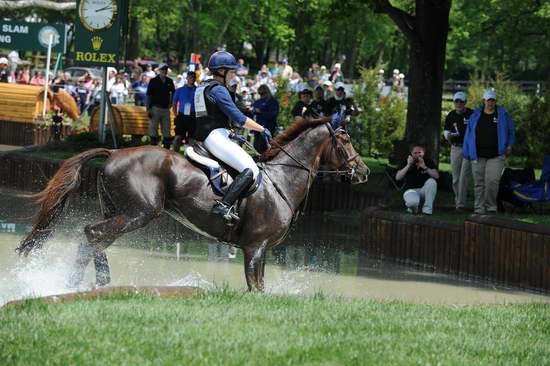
(222, 60)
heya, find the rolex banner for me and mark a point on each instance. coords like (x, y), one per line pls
(98, 31)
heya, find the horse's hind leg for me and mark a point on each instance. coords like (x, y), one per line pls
(85, 254)
(102, 234)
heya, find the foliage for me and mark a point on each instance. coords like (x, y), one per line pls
(215, 328)
(381, 120)
(537, 126)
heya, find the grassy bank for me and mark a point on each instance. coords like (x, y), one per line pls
(232, 328)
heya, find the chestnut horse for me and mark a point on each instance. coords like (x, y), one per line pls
(140, 184)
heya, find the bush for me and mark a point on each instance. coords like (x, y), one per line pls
(380, 122)
(537, 127)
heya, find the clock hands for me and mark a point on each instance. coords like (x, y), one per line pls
(108, 7)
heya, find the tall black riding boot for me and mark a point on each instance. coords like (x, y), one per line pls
(166, 142)
(225, 207)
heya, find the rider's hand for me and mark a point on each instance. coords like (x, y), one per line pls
(267, 135)
(239, 138)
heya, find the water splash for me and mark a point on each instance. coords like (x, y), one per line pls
(194, 279)
(302, 280)
(41, 274)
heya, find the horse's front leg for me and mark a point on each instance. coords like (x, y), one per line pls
(254, 262)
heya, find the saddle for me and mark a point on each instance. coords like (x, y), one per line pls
(218, 173)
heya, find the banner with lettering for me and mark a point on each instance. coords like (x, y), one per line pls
(32, 36)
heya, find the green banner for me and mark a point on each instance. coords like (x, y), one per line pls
(98, 31)
(32, 36)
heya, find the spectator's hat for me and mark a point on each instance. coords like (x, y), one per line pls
(305, 89)
(490, 94)
(381, 71)
(111, 69)
(244, 89)
(327, 83)
(396, 71)
(339, 85)
(402, 76)
(459, 96)
(191, 73)
(163, 67)
(233, 82)
(337, 66)
(323, 67)
(3, 61)
(284, 61)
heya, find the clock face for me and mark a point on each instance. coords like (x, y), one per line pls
(97, 15)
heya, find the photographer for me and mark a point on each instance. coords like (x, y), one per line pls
(420, 174)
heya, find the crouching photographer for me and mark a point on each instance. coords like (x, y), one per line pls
(420, 174)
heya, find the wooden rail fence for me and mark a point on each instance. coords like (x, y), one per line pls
(485, 248)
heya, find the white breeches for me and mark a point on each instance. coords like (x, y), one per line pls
(221, 146)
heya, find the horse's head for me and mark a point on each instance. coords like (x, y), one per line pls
(341, 155)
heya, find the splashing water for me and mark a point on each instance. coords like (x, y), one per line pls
(302, 280)
(193, 279)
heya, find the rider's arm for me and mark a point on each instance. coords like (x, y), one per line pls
(221, 97)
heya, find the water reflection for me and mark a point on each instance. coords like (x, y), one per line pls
(321, 254)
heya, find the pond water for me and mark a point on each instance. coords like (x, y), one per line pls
(322, 254)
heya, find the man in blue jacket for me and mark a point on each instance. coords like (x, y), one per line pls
(488, 141)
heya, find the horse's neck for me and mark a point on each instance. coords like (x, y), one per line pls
(295, 181)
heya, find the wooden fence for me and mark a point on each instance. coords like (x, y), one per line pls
(485, 248)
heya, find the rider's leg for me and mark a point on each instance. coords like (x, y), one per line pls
(219, 144)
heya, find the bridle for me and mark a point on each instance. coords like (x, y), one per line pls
(340, 152)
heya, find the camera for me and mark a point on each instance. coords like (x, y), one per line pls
(415, 159)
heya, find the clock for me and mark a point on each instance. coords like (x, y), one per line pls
(97, 15)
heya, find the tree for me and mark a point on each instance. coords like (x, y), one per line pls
(20, 4)
(426, 29)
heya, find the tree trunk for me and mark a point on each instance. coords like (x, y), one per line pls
(427, 34)
(132, 44)
(427, 65)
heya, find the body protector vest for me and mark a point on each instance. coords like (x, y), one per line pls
(209, 115)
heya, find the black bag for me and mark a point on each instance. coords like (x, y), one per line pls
(445, 182)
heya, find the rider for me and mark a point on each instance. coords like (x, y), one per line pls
(216, 110)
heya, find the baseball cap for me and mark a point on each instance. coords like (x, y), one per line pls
(381, 71)
(490, 94)
(111, 69)
(327, 83)
(305, 88)
(233, 82)
(459, 96)
(339, 85)
(337, 66)
(3, 60)
(396, 71)
(163, 66)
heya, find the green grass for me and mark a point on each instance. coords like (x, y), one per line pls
(231, 328)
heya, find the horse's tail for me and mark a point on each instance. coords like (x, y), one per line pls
(53, 198)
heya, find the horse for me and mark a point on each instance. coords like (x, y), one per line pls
(139, 184)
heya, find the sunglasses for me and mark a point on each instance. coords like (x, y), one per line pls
(460, 101)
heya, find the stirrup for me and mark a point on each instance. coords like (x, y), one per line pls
(228, 213)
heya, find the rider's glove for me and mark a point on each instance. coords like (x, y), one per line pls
(267, 135)
(337, 119)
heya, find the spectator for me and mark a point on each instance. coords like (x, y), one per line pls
(13, 56)
(140, 90)
(88, 81)
(4, 70)
(24, 76)
(320, 104)
(340, 102)
(489, 138)
(395, 79)
(59, 81)
(179, 81)
(285, 70)
(184, 108)
(95, 98)
(149, 71)
(71, 89)
(266, 110)
(381, 82)
(454, 131)
(263, 76)
(118, 90)
(314, 75)
(420, 174)
(246, 97)
(323, 75)
(160, 92)
(83, 96)
(294, 83)
(38, 79)
(111, 77)
(242, 71)
(336, 75)
(302, 108)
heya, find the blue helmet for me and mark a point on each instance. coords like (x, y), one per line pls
(222, 60)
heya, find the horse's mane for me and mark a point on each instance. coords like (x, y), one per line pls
(291, 132)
